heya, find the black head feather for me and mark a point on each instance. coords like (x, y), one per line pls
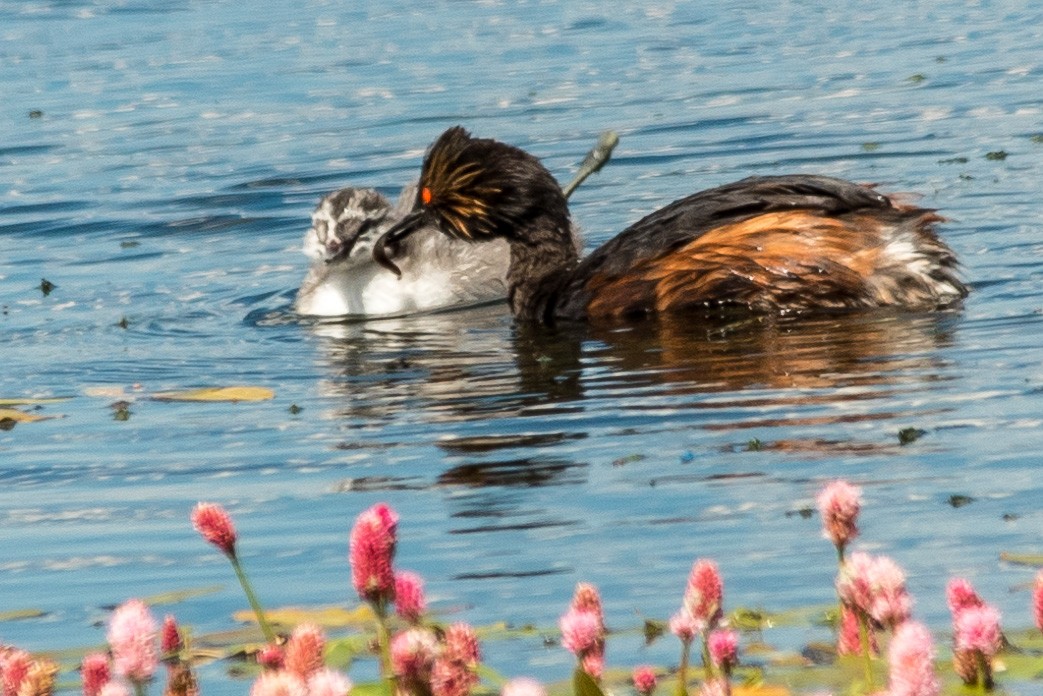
(475, 188)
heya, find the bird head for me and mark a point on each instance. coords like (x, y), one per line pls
(476, 189)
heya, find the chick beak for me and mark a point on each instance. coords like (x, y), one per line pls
(387, 245)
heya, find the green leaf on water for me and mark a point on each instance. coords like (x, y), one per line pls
(327, 617)
(870, 147)
(341, 652)
(177, 596)
(22, 614)
(238, 393)
(584, 685)
(996, 156)
(1025, 559)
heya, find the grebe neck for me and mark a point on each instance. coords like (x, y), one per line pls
(543, 256)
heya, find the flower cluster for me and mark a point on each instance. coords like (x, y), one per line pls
(839, 504)
(372, 553)
(300, 669)
(583, 629)
(976, 633)
(21, 674)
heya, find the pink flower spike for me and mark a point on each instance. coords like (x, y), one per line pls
(328, 682)
(523, 686)
(723, 645)
(373, 540)
(587, 598)
(271, 657)
(960, 594)
(413, 654)
(303, 654)
(593, 663)
(132, 638)
(645, 680)
(114, 687)
(215, 525)
(910, 660)
(94, 672)
(1037, 600)
(409, 596)
(715, 687)
(450, 678)
(839, 504)
(170, 636)
(461, 645)
(978, 629)
(580, 631)
(685, 626)
(15, 665)
(279, 683)
(849, 640)
(704, 595)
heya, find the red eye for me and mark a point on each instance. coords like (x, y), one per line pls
(425, 195)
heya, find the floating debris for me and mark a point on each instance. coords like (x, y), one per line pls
(754, 445)
(240, 393)
(629, 459)
(908, 436)
(996, 156)
(46, 286)
(35, 113)
(294, 409)
(916, 79)
(120, 410)
(870, 147)
(123, 323)
(958, 501)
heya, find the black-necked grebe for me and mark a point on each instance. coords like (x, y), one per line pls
(768, 244)
(436, 271)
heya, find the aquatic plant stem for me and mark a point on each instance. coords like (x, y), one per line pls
(387, 675)
(707, 661)
(682, 671)
(266, 629)
(867, 657)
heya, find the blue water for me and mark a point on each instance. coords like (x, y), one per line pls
(158, 164)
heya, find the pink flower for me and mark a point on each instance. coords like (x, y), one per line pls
(170, 637)
(849, 639)
(215, 525)
(587, 598)
(910, 659)
(461, 645)
(409, 596)
(580, 631)
(413, 654)
(645, 680)
(328, 682)
(960, 594)
(15, 665)
(704, 594)
(271, 657)
(279, 683)
(94, 672)
(132, 638)
(715, 687)
(450, 678)
(523, 686)
(303, 651)
(839, 504)
(723, 645)
(373, 540)
(114, 688)
(978, 629)
(593, 663)
(874, 586)
(1037, 600)
(685, 626)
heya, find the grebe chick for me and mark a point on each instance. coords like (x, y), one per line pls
(767, 244)
(436, 271)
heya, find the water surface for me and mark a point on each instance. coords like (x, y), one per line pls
(158, 163)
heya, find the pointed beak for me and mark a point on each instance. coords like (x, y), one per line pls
(387, 245)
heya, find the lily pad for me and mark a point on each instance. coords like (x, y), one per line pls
(176, 596)
(12, 416)
(1025, 559)
(21, 614)
(237, 393)
(328, 617)
(32, 402)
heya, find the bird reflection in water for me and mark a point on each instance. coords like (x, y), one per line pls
(475, 385)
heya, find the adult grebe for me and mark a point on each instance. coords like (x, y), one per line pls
(768, 244)
(437, 272)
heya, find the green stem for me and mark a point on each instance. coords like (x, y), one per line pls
(387, 675)
(682, 671)
(867, 657)
(707, 662)
(266, 629)
(139, 687)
